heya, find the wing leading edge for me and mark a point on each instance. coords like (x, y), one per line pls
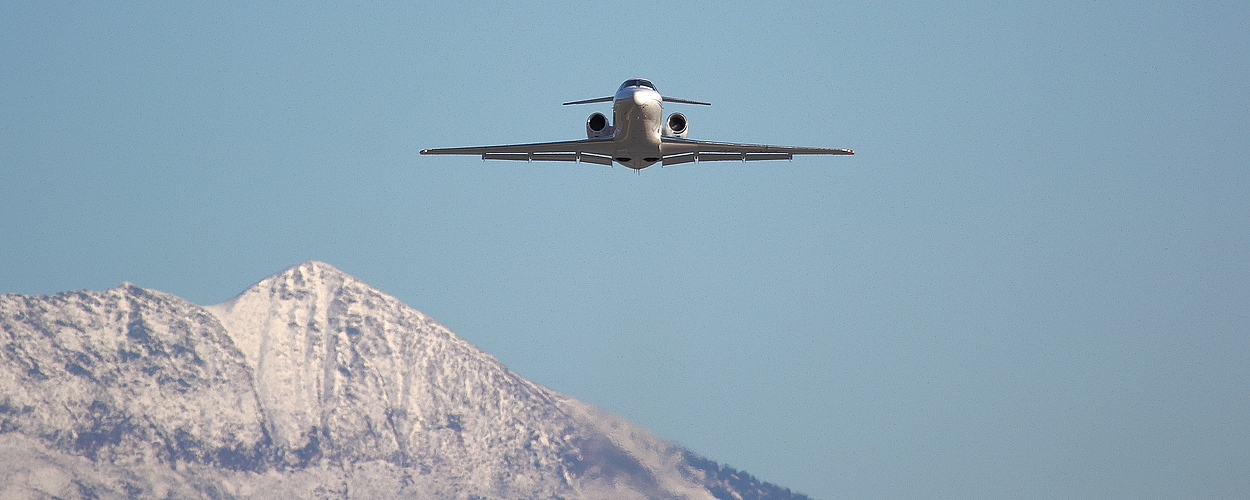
(598, 150)
(677, 150)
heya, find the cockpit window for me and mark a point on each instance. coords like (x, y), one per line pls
(638, 82)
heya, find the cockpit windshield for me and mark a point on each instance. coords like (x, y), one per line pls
(638, 82)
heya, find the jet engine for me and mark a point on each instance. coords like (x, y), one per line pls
(675, 126)
(597, 126)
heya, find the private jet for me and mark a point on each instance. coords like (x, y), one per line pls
(638, 137)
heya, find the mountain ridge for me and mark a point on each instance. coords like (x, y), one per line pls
(313, 384)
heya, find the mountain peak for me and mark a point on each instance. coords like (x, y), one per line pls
(309, 384)
(310, 276)
(314, 269)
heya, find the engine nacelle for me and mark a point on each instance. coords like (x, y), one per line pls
(676, 126)
(597, 126)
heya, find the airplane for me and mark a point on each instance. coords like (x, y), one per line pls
(638, 138)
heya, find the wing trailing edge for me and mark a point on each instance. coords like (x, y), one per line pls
(687, 150)
(598, 151)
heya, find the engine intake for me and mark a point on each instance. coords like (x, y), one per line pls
(676, 125)
(597, 126)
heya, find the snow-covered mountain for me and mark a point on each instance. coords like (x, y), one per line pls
(311, 384)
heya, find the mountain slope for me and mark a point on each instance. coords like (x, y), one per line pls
(310, 384)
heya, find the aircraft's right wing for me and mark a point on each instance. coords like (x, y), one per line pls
(677, 150)
(598, 150)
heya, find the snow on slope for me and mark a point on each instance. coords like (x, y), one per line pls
(310, 384)
(344, 364)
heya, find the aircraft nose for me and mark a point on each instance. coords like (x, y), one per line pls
(643, 97)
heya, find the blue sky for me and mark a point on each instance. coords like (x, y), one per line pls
(1032, 281)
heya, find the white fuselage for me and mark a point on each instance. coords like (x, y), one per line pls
(638, 137)
(638, 113)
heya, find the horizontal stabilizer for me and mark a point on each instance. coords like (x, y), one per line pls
(588, 101)
(665, 99)
(684, 101)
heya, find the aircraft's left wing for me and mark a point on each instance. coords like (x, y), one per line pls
(677, 150)
(598, 150)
